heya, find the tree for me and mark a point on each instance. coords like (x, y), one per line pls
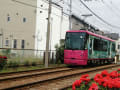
(60, 52)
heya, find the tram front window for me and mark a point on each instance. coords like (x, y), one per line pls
(75, 40)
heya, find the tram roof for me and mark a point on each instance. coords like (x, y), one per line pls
(93, 34)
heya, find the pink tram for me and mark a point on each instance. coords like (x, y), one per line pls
(83, 47)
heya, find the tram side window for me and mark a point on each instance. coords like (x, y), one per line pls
(113, 47)
(97, 45)
(104, 46)
(100, 45)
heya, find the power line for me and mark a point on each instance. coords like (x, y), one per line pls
(29, 5)
(98, 25)
(34, 6)
(59, 1)
(99, 16)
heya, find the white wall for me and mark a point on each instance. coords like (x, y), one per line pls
(65, 25)
(59, 24)
(41, 25)
(118, 43)
(15, 27)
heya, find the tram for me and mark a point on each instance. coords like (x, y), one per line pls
(83, 47)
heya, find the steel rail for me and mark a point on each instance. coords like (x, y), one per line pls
(61, 77)
(12, 73)
(35, 74)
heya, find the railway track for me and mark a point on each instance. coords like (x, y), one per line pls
(54, 80)
(27, 71)
(23, 74)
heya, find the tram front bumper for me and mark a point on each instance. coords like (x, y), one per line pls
(75, 62)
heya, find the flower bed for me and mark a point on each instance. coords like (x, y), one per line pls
(3, 61)
(102, 81)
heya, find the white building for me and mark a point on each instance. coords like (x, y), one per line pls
(23, 24)
(59, 24)
(118, 49)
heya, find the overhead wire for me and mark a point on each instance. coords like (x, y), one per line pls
(96, 17)
(58, 1)
(28, 4)
(81, 12)
(99, 16)
(109, 26)
(60, 16)
(100, 24)
(34, 6)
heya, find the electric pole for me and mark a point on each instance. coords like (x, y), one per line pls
(48, 35)
(70, 17)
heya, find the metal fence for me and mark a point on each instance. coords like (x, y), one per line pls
(27, 55)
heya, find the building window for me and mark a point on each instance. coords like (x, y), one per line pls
(8, 18)
(41, 5)
(40, 11)
(15, 43)
(23, 44)
(7, 43)
(17, 14)
(24, 19)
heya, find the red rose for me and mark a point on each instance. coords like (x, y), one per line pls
(118, 69)
(4, 57)
(73, 87)
(104, 73)
(93, 87)
(85, 76)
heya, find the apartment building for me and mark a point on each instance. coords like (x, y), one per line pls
(23, 24)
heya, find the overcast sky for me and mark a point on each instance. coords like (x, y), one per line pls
(105, 13)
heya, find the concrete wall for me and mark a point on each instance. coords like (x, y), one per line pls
(15, 27)
(59, 24)
(34, 29)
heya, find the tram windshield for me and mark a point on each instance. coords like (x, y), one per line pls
(75, 40)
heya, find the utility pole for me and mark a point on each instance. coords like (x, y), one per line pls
(48, 35)
(1, 34)
(70, 17)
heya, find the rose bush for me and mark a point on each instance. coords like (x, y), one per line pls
(102, 81)
(3, 61)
